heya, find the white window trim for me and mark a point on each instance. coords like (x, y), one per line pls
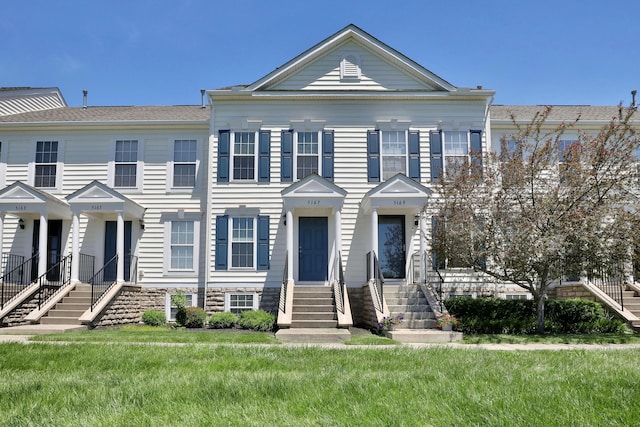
(31, 173)
(444, 148)
(111, 175)
(168, 219)
(232, 154)
(227, 299)
(295, 151)
(170, 162)
(406, 152)
(255, 243)
(167, 304)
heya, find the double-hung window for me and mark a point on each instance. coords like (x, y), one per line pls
(307, 154)
(126, 163)
(394, 153)
(46, 164)
(244, 156)
(453, 150)
(184, 163)
(242, 242)
(456, 149)
(182, 243)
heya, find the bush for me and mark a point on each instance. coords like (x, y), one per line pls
(180, 301)
(194, 317)
(154, 318)
(223, 320)
(496, 316)
(258, 320)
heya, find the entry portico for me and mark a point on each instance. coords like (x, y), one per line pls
(312, 208)
(99, 201)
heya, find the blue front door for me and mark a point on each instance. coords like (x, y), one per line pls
(313, 248)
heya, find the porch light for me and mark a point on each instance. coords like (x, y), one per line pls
(416, 220)
(142, 224)
(21, 223)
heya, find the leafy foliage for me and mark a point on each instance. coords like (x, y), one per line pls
(496, 316)
(257, 320)
(223, 320)
(543, 208)
(154, 318)
(195, 317)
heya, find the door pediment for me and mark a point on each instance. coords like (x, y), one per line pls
(313, 191)
(399, 192)
(22, 198)
(97, 197)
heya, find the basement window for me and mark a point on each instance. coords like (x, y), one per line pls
(240, 301)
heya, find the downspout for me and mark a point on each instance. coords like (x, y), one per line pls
(208, 240)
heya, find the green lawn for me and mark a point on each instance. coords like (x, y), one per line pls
(122, 384)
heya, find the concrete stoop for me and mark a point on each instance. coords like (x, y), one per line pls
(313, 335)
(40, 329)
(424, 336)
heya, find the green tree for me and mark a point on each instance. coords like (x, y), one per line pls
(542, 209)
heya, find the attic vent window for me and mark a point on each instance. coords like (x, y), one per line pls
(350, 67)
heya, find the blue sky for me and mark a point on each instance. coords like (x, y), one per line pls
(162, 52)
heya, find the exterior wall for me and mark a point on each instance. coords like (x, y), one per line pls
(350, 120)
(572, 291)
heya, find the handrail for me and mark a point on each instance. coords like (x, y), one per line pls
(283, 289)
(611, 284)
(440, 281)
(86, 267)
(375, 273)
(16, 277)
(55, 278)
(338, 286)
(99, 286)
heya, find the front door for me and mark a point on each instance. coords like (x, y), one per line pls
(391, 246)
(110, 249)
(313, 248)
(54, 248)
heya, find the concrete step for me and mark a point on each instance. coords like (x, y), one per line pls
(408, 315)
(314, 316)
(424, 336)
(79, 294)
(65, 313)
(401, 308)
(405, 301)
(312, 294)
(60, 321)
(77, 300)
(299, 308)
(71, 306)
(312, 301)
(313, 335)
(314, 324)
(417, 324)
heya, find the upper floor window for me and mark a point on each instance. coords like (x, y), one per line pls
(244, 156)
(458, 149)
(391, 152)
(564, 145)
(308, 160)
(126, 163)
(306, 152)
(46, 164)
(184, 163)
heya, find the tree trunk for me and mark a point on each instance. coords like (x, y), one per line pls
(541, 314)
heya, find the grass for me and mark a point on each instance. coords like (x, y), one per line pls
(147, 334)
(627, 338)
(137, 385)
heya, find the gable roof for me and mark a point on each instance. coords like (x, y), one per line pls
(501, 114)
(16, 100)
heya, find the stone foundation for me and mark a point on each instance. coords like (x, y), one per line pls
(571, 291)
(268, 298)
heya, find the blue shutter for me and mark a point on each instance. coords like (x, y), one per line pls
(263, 242)
(414, 154)
(264, 156)
(373, 154)
(435, 143)
(476, 148)
(327, 154)
(224, 150)
(222, 242)
(286, 164)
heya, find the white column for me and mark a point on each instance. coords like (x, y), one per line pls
(42, 245)
(423, 246)
(290, 248)
(120, 248)
(75, 248)
(1, 239)
(374, 237)
(338, 226)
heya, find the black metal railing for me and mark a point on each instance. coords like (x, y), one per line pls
(338, 286)
(283, 289)
(17, 275)
(53, 280)
(86, 267)
(103, 280)
(375, 274)
(437, 286)
(610, 281)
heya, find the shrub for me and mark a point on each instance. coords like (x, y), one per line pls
(194, 317)
(223, 320)
(258, 320)
(180, 301)
(496, 316)
(154, 318)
